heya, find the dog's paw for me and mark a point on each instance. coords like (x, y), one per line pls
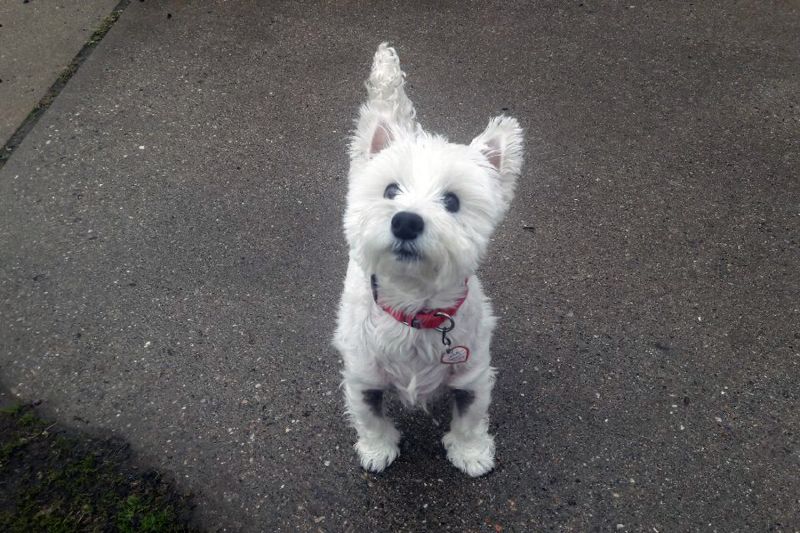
(376, 453)
(474, 455)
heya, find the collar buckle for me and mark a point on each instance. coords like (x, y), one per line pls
(446, 329)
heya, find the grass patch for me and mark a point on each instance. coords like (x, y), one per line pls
(105, 25)
(13, 409)
(53, 480)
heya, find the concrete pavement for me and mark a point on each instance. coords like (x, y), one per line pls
(37, 42)
(171, 259)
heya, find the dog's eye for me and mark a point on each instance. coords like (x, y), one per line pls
(451, 202)
(391, 191)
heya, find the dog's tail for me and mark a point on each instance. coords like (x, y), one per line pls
(388, 113)
(385, 87)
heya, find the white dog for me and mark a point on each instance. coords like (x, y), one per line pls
(413, 316)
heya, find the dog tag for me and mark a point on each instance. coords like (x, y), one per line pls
(455, 355)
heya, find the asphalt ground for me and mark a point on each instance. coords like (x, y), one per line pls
(38, 41)
(171, 259)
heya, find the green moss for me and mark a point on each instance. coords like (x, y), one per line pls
(141, 515)
(13, 410)
(104, 26)
(7, 449)
(59, 481)
(29, 420)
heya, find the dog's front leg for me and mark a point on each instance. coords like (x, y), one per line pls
(378, 439)
(469, 445)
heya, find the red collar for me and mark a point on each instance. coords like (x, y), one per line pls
(425, 319)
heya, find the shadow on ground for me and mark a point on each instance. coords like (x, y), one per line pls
(56, 479)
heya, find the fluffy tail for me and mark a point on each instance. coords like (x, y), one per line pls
(388, 112)
(385, 88)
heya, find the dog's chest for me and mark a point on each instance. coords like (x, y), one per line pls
(413, 376)
(410, 360)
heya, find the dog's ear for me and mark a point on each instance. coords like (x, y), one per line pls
(501, 144)
(381, 138)
(373, 134)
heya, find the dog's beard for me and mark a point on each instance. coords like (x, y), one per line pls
(411, 261)
(403, 260)
(407, 252)
(428, 259)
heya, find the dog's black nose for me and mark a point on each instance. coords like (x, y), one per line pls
(407, 226)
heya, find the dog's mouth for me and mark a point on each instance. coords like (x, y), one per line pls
(406, 252)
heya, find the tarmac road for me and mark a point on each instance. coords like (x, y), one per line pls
(171, 259)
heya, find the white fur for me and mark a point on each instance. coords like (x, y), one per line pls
(379, 352)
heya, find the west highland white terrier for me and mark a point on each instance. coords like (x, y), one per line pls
(413, 317)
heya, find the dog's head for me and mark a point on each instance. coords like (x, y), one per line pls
(419, 206)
